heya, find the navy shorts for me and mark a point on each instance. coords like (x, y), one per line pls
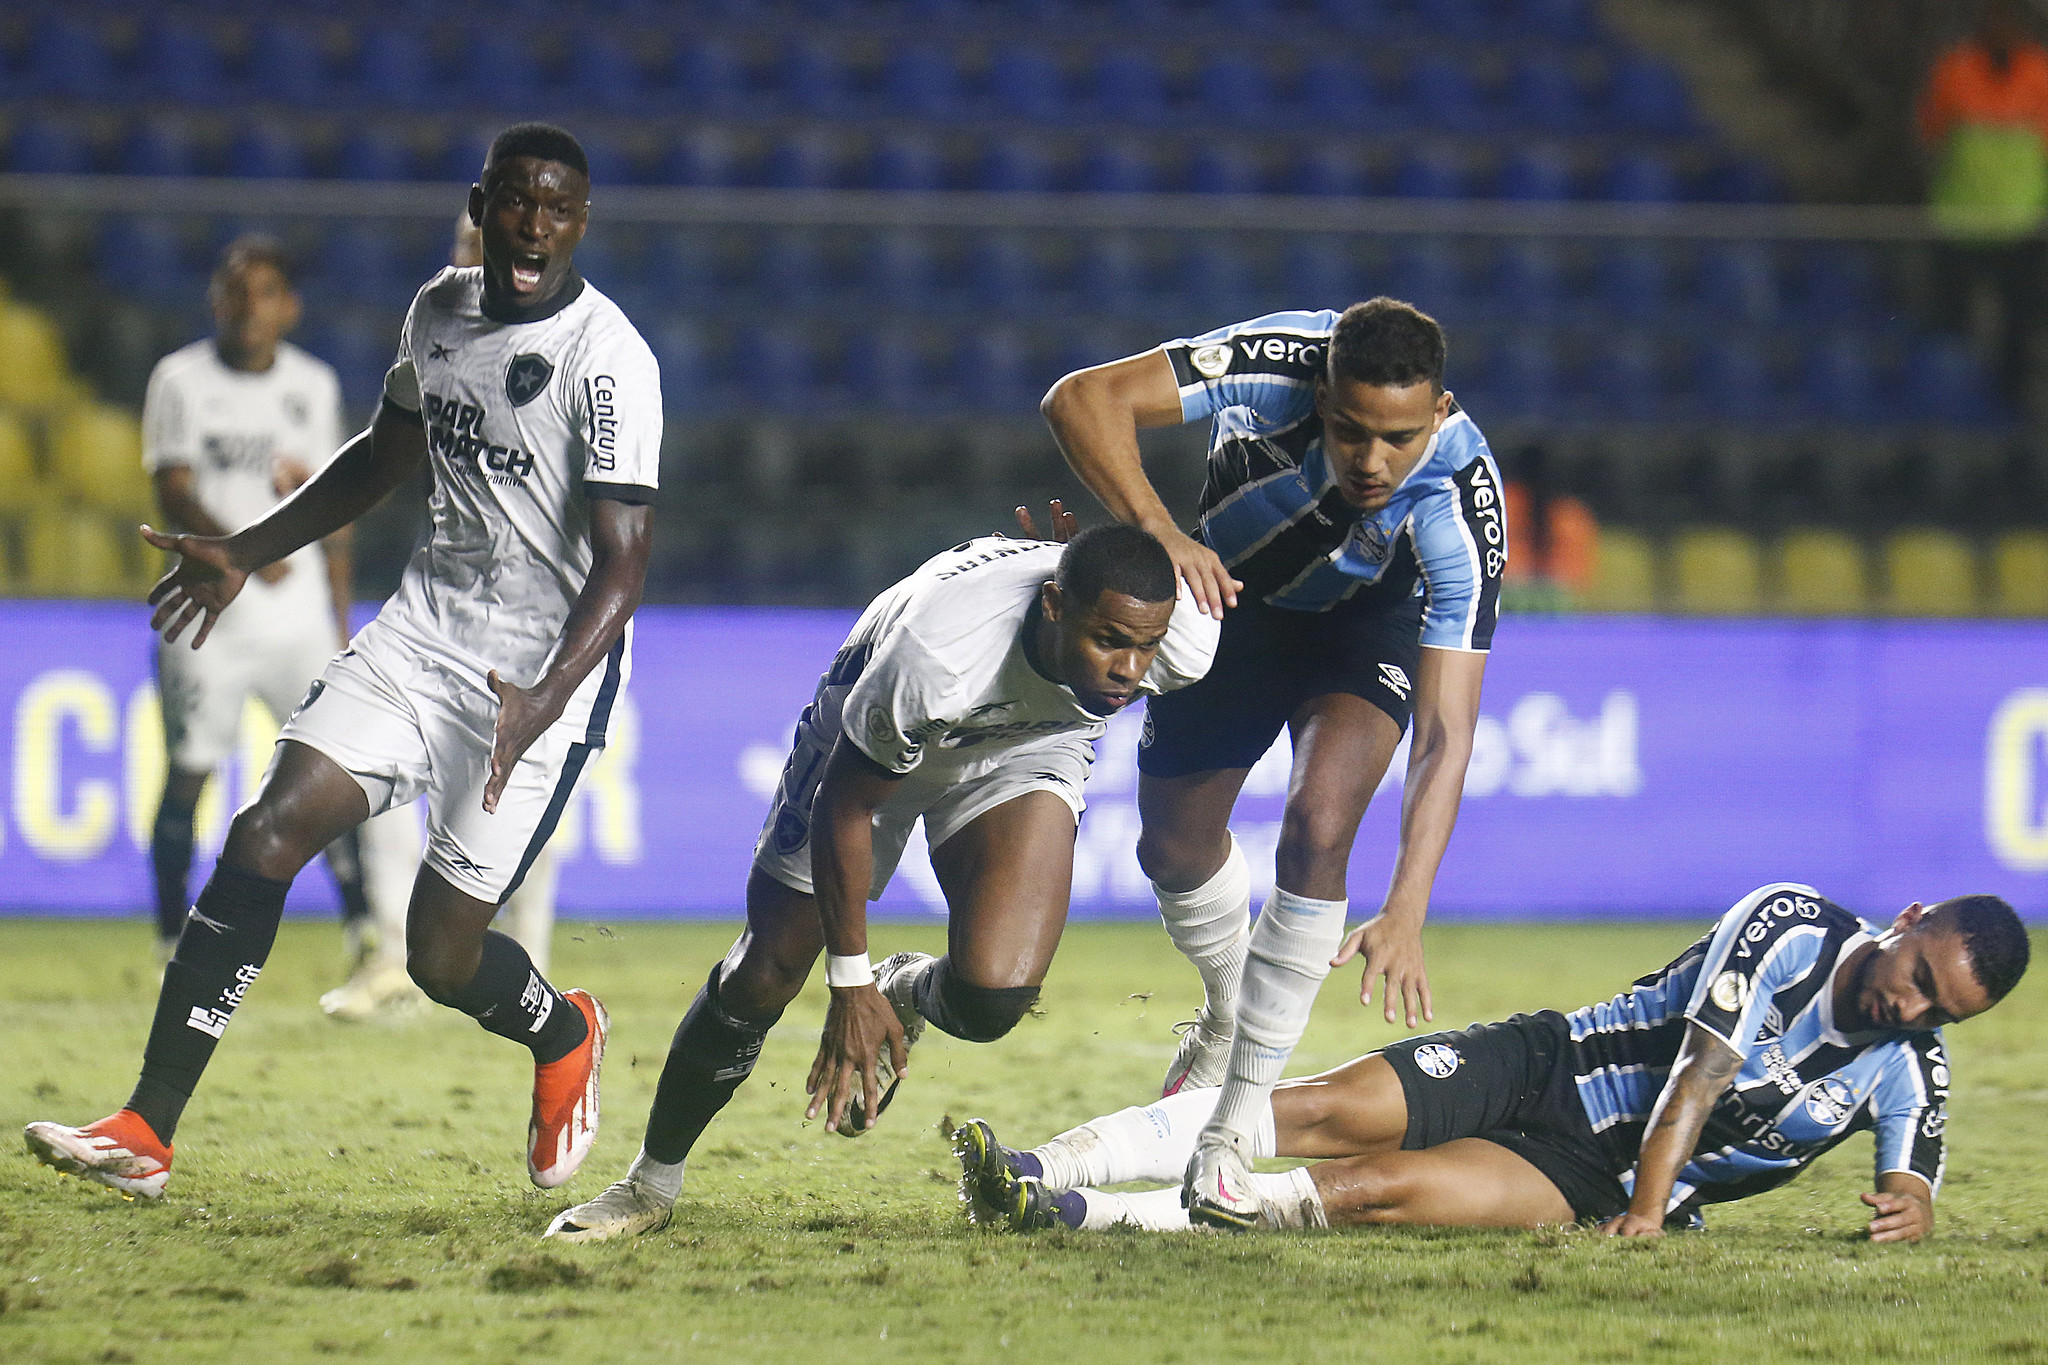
(1270, 660)
(1510, 1083)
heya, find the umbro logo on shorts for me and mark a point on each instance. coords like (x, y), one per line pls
(1396, 680)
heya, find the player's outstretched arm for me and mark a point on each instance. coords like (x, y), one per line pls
(1904, 1208)
(1095, 415)
(621, 539)
(1446, 715)
(1704, 1068)
(859, 1022)
(210, 570)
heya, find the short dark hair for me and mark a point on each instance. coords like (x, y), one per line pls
(254, 248)
(543, 140)
(1386, 341)
(1115, 558)
(1993, 936)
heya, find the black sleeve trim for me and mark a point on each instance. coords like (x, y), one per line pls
(403, 414)
(635, 494)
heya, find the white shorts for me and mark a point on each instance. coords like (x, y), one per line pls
(946, 796)
(404, 726)
(202, 691)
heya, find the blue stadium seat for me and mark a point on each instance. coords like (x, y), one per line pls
(1626, 378)
(1338, 92)
(992, 372)
(373, 152)
(1328, 168)
(1524, 378)
(1645, 95)
(1443, 94)
(704, 157)
(1432, 171)
(1004, 275)
(1740, 180)
(804, 159)
(286, 63)
(1015, 164)
(1638, 175)
(1427, 273)
(145, 258)
(1544, 93)
(178, 59)
(611, 162)
(1541, 173)
(1634, 279)
(1321, 271)
(1224, 168)
(1740, 280)
(900, 269)
(811, 77)
(68, 57)
(1233, 90)
(158, 147)
(1462, 18)
(1733, 379)
(776, 366)
(1841, 379)
(393, 67)
(360, 262)
(498, 69)
(678, 346)
(1838, 284)
(599, 260)
(1529, 279)
(1215, 277)
(268, 151)
(1026, 83)
(922, 82)
(603, 72)
(1128, 87)
(1944, 381)
(790, 268)
(886, 370)
(1118, 165)
(906, 161)
(1357, 16)
(681, 267)
(462, 156)
(1571, 21)
(360, 351)
(47, 145)
(707, 77)
(1111, 276)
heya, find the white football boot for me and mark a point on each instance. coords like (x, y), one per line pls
(1203, 1057)
(896, 978)
(626, 1208)
(1217, 1190)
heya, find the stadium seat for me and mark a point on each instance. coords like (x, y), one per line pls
(1118, 165)
(1460, 18)
(804, 159)
(1004, 275)
(603, 73)
(373, 152)
(777, 368)
(1356, 16)
(707, 77)
(1929, 572)
(360, 263)
(1944, 381)
(992, 372)
(680, 267)
(1018, 164)
(907, 161)
(1821, 573)
(1111, 274)
(1213, 277)
(1128, 87)
(611, 161)
(1339, 93)
(74, 552)
(1841, 379)
(1645, 95)
(1627, 377)
(499, 67)
(1328, 168)
(1220, 167)
(1233, 90)
(1444, 95)
(1321, 271)
(703, 157)
(1739, 180)
(1639, 175)
(900, 269)
(48, 145)
(1633, 279)
(145, 257)
(1026, 83)
(359, 346)
(2019, 574)
(286, 64)
(1535, 174)
(35, 374)
(462, 155)
(68, 58)
(1625, 576)
(1426, 272)
(1739, 280)
(179, 60)
(158, 147)
(267, 151)
(1544, 93)
(885, 371)
(96, 459)
(21, 487)
(1733, 380)
(921, 81)
(1432, 171)
(600, 260)
(1571, 21)
(1524, 375)
(1716, 571)
(811, 78)
(1528, 278)
(678, 346)
(393, 67)
(790, 269)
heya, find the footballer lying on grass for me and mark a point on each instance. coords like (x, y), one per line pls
(1789, 1026)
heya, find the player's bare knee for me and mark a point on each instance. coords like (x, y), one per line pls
(1361, 1190)
(1313, 846)
(761, 981)
(261, 840)
(1177, 862)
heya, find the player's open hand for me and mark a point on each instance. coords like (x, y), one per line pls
(1392, 948)
(522, 715)
(1059, 525)
(859, 1024)
(1201, 569)
(1632, 1225)
(1900, 1217)
(198, 587)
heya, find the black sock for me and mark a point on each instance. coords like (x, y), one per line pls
(711, 1055)
(345, 861)
(170, 858)
(224, 944)
(509, 998)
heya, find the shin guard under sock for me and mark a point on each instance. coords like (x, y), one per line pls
(711, 1056)
(977, 1014)
(1289, 956)
(509, 998)
(222, 948)
(170, 860)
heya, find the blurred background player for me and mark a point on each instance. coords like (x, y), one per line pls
(1353, 527)
(230, 425)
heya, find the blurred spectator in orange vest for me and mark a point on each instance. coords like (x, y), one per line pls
(1984, 119)
(1553, 539)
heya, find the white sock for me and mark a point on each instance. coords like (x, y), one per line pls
(1290, 953)
(1210, 925)
(1290, 1201)
(656, 1177)
(1152, 1142)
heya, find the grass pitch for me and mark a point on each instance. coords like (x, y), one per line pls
(359, 1192)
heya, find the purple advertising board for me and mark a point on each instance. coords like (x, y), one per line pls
(1623, 767)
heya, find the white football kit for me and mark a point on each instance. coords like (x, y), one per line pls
(527, 423)
(937, 683)
(238, 432)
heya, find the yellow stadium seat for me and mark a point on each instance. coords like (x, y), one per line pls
(72, 552)
(1930, 572)
(20, 485)
(36, 374)
(96, 458)
(1625, 573)
(2019, 574)
(1821, 573)
(1716, 570)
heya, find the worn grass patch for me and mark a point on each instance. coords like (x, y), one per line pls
(360, 1192)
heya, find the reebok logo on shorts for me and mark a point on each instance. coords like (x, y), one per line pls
(1396, 680)
(1437, 1060)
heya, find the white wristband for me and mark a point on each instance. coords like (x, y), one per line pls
(852, 970)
